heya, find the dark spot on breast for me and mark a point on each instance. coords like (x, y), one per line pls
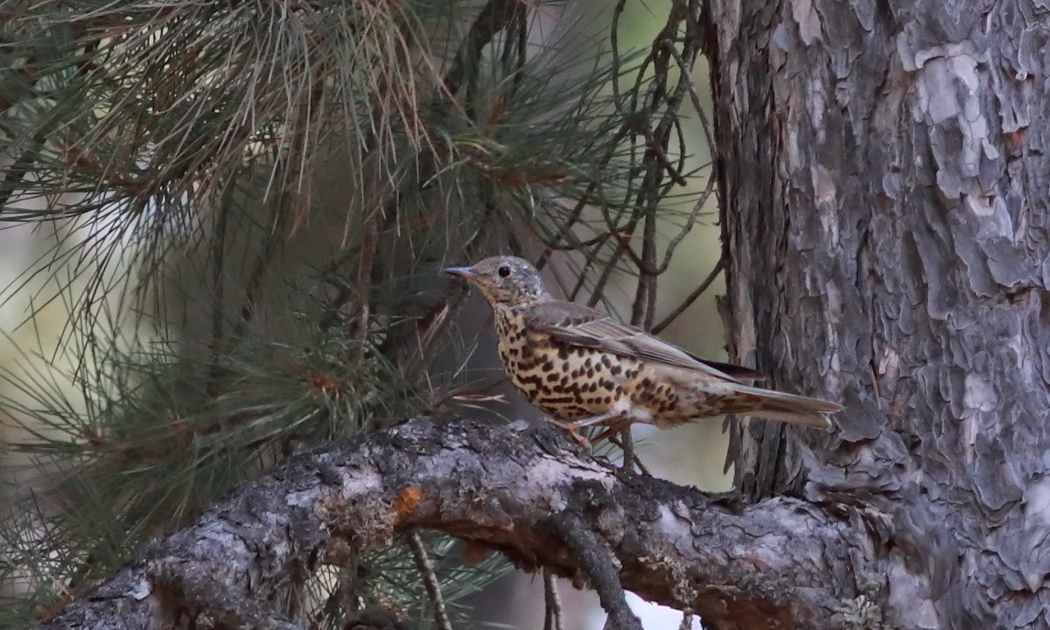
(563, 353)
(552, 377)
(547, 366)
(609, 385)
(559, 400)
(615, 369)
(534, 380)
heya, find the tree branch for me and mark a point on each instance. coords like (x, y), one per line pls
(783, 562)
(595, 561)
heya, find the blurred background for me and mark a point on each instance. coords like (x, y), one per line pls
(222, 231)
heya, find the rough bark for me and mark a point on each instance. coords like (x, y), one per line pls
(884, 201)
(781, 563)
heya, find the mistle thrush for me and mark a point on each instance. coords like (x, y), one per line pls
(585, 368)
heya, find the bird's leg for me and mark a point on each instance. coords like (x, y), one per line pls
(572, 431)
(593, 420)
(575, 425)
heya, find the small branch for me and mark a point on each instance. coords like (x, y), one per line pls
(552, 619)
(778, 563)
(688, 301)
(218, 279)
(687, 621)
(597, 563)
(271, 242)
(627, 445)
(430, 581)
(625, 440)
(365, 263)
(495, 16)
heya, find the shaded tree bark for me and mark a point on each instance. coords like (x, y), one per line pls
(884, 201)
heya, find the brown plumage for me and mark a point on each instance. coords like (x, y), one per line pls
(585, 368)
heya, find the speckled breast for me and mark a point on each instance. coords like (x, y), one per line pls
(565, 381)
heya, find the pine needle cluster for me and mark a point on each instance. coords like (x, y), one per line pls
(244, 208)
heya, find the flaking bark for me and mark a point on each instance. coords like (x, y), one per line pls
(885, 195)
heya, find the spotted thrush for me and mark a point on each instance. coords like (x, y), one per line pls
(585, 368)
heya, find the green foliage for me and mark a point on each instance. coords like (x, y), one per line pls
(250, 205)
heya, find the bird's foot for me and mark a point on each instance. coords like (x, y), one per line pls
(572, 429)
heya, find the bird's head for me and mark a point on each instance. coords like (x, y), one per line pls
(505, 280)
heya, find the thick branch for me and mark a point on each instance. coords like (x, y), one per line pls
(783, 562)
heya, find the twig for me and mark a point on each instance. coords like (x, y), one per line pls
(628, 447)
(494, 17)
(266, 256)
(469, 388)
(688, 301)
(219, 287)
(694, 214)
(594, 559)
(553, 618)
(362, 283)
(694, 96)
(687, 621)
(430, 581)
(660, 153)
(20, 168)
(644, 314)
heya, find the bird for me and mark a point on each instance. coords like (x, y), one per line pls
(584, 368)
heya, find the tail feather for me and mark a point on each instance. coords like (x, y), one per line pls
(783, 407)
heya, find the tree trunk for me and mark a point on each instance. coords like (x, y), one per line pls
(884, 206)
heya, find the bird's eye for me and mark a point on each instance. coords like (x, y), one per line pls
(503, 271)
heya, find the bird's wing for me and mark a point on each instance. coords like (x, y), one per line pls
(579, 325)
(736, 371)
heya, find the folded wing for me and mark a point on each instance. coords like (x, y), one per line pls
(583, 326)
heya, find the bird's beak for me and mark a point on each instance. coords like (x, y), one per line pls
(463, 272)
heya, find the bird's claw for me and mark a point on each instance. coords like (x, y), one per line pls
(571, 428)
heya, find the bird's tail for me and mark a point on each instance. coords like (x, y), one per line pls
(780, 406)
